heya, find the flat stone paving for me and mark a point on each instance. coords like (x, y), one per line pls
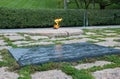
(15, 38)
(48, 31)
(4, 74)
(2, 43)
(89, 65)
(51, 74)
(39, 37)
(111, 35)
(107, 74)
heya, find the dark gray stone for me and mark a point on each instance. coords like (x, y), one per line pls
(59, 53)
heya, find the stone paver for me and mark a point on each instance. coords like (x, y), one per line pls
(117, 47)
(110, 34)
(38, 37)
(2, 43)
(50, 32)
(70, 41)
(36, 43)
(4, 74)
(15, 38)
(78, 40)
(51, 74)
(110, 38)
(57, 39)
(90, 33)
(75, 37)
(21, 42)
(109, 31)
(9, 34)
(89, 65)
(107, 74)
(108, 43)
(4, 47)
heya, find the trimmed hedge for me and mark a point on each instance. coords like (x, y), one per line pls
(28, 18)
(104, 17)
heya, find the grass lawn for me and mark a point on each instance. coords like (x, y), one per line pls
(31, 4)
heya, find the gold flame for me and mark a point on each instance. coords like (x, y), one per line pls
(56, 26)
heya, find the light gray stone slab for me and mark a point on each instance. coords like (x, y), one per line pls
(4, 74)
(89, 65)
(75, 37)
(109, 31)
(57, 32)
(110, 34)
(90, 33)
(14, 38)
(58, 53)
(5, 47)
(107, 74)
(57, 39)
(21, 42)
(38, 37)
(2, 43)
(108, 43)
(51, 74)
(70, 41)
(78, 40)
(10, 34)
(35, 43)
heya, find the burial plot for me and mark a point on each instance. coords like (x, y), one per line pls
(59, 53)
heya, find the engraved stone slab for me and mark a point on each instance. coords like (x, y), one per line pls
(59, 53)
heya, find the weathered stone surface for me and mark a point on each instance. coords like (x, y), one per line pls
(51, 74)
(110, 34)
(2, 43)
(7, 75)
(14, 38)
(38, 37)
(90, 33)
(58, 32)
(21, 42)
(71, 41)
(109, 38)
(107, 74)
(9, 34)
(89, 65)
(109, 43)
(75, 37)
(34, 44)
(78, 40)
(58, 53)
(5, 47)
(109, 31)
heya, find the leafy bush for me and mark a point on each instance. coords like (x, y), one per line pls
(28, 18)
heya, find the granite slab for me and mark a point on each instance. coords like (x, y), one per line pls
(60, 53)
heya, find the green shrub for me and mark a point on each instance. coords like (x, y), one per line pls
(104, 17)
(28, 18)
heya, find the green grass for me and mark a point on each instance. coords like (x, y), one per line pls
(9, 42)
(30, 4)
